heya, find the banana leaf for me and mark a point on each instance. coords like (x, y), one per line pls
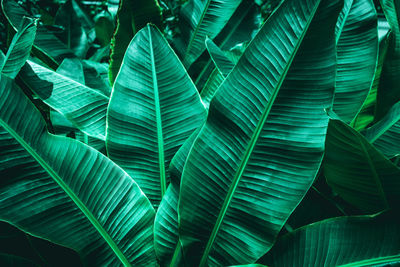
(357, 52)
(367, 114)
(344, 241)
(198, 19)
(154, 108)
(46, 46)
(19, 49)
(385, 134)
(61, 190)
(263, 141)
(358, 172)
(85, 107)
(389, 84)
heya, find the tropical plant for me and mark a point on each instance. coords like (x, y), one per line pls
(200, 133)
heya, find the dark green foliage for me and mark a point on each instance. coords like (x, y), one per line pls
(199, 133)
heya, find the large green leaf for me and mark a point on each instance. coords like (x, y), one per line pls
(210, 88)
(132, 16)
(19, 49)
(85, 107)
(345, 241)
(59, 189)
(199, 19)
(389, 85)
(46, 45)
(263, 141)
(357, 52)
(358, 172)
(385, 135)
(154, 107)
(367, 114)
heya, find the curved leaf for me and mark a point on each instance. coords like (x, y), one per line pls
(154, 107)
(241, 28)
(389, 84)
(59, 189)
(83, 106)
(263, 141)
(357, 52)
(19, 49)
(46, 46)
(385, 135)
(358, 172)
(132, 16)
(201, 18)
(367, 114)
(221, 61)
(344, 241)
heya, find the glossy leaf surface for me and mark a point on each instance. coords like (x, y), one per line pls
(59, 189)
(365, 178)
(357, 52)
(264, 138)
(154, 107)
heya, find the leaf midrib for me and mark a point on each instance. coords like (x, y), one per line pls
(88, 214)
(160, 139)
(251, 145)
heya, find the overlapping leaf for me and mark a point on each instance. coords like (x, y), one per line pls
(201, 18)
(19, 49)
(263, 141)
(345, 241)
(358, 172)
(84, 107)
(357, 52)
(59, 189)
(385, 135)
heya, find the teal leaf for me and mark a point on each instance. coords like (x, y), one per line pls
(358, 172)
(357, 52)
(56, 188)
(154, 107)
(263, 141)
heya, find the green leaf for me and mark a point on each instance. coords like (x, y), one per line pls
(73, 69)
(198, 20)
(84, 107)
(19, 49)
(132, 16)
(221, 61)
(263, 141)
(104, 27)
(357, 52)
(47, 46)
(241, 27)
(73, 34)
(358, 172)
(389, 85)
(61, 190)
(385, 135)
(344, 241)
(154, 107)
(166, 222)
(367, 114)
